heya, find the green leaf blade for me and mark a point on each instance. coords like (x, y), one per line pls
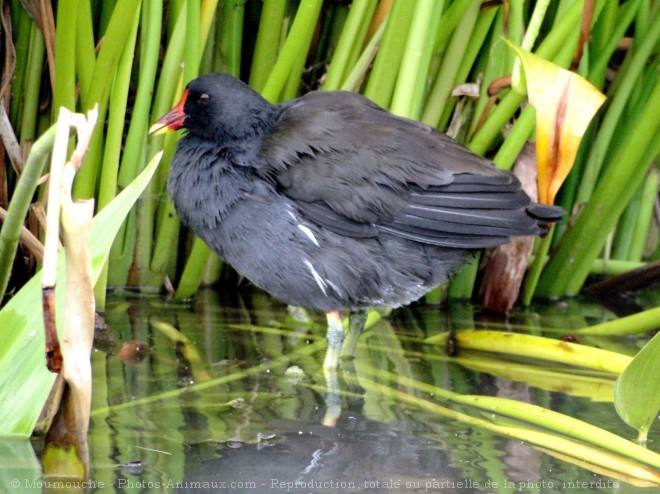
(637, 390)
(24, 380)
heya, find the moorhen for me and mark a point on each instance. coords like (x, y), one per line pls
(330, 202)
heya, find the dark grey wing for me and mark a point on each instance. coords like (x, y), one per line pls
(470, 214)
(357, 170)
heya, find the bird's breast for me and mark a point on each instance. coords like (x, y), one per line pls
(205, 187)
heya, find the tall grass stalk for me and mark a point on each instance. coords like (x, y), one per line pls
(383, 77)
(628, 79)
(85, 56)
(65, 64)
(22, 27)
(296, 45)
(20, 203)
(439, 95)
(268, 42)
(105, 69)
(414, 66)
(358, 15)
(30, 104)
(113, 140)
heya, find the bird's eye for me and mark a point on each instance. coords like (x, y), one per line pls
(204, 98)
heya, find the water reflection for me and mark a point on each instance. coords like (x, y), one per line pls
(227, 394)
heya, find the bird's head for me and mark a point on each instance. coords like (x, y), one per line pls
(217, 107)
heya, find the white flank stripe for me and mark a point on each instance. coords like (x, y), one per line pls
(317, 277)
(309, 234)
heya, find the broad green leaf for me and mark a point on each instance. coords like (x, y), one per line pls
(637, 390)
(24, 380)
(565, 104)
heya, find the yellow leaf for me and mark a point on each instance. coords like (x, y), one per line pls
(565, 104)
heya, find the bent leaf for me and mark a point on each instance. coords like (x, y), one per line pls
(24, 380)
(565, 104)
(637, 390)
(564, 445)
(535, 347)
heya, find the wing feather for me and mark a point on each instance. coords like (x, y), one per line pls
(357, 170)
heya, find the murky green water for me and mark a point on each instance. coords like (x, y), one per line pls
(235, 401)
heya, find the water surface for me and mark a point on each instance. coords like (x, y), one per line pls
(227, 394)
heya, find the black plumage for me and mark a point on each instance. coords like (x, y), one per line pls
(330, 202)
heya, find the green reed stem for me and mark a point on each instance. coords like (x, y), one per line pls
(107, 8)
(383, 76)
(193, 272)
(30, 104)
(64, 92)
(607, 48)
(192, 53)
(357, 73)
(230, 46)
(85, 49)
(357, 16)
(231, 36)
(446, 79)
(147, 208)
(644, 217)
(22, 26)
(628, 79)
(20, 203)
(116, 118)
(489, 67)
(102, 79)
(268, 42)
(113, 140)
(132, 161)
(534, 271)
(134, 157)
(516, 139)
(514, 28)
(462, 284)
(208, 11)
(297, 44)
(414, 67)
(626, 225)
(450, 19)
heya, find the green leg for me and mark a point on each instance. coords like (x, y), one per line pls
(355, 328)
(335, 336)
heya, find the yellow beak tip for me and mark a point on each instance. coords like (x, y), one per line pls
(158, 129)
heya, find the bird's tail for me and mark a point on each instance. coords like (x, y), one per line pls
(545, 215)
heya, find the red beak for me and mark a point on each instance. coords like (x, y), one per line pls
(172, 120)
